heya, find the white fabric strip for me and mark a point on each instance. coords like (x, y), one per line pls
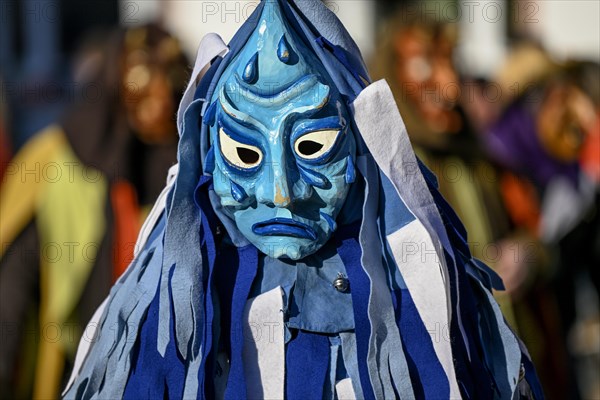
(413, 251)
(344, 390)
(210, 47)
(385, 339)
(264, 347)
(155, 213)
(85, 343)
(381, 126)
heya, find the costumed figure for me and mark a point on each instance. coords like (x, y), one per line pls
(415, 55)
(542, 143)
(74, 197)
(300, 250)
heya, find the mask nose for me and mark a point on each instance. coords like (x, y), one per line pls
(281, 185)
(274, 188)
(281, 197)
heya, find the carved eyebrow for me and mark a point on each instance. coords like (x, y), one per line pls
(316, 96)
(333, 123)
(237, 115)
(306, 84)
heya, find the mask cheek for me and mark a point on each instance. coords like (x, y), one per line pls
(335, 196)
(236, 193)
(244, 219)
(335, 173)
(222, 187)
(333, 204)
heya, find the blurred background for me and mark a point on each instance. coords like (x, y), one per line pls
(501, 100)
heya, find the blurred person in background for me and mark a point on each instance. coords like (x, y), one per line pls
(415, 57)
(74, 197)
(546, 142)
(447, 119)
(589, 76)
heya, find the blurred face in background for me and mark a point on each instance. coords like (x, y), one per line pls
(565, 117)
(153, 75)
(427, 76)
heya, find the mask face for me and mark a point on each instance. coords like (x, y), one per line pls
(282, 151)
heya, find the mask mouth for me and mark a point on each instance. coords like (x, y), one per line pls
(284, 227)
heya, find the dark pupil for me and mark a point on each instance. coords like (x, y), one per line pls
(248, 156)
(308, 147)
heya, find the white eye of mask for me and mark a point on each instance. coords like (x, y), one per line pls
(315, 144)
(239, 154)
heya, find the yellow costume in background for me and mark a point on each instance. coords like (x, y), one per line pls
(47, 182)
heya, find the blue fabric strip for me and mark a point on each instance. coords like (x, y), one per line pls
(458, 238)
(346, 53)
(487, 348)
(344, 58)
(345, 80)
(427, 374)
(236, 383)
(395, 213)
(443, 206)
(473, 375)
(208, 251)
(207, 80)
(350, 252)
(154, 376)
(306, 366)
(531, 377)
(228, 268)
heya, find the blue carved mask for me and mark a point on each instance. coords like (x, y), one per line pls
(282, 151)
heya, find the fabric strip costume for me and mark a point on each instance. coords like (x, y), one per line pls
(300, 249)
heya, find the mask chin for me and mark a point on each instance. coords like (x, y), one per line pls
(280, 234)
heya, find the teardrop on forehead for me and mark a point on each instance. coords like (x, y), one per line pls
(274, 57)
(283, 50)
(250, 74)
